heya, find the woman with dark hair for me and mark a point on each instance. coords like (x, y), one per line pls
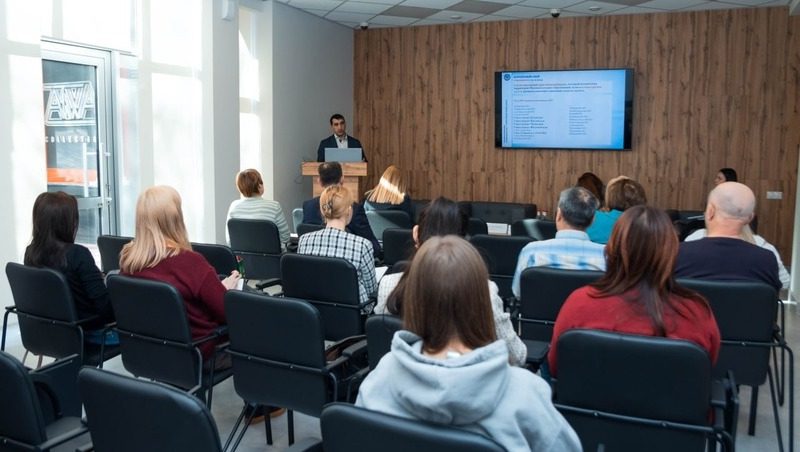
(621, 194)
(638, 293)
(447, 366)
(591, 182)
(726, 175)
(442, 217)
(55, 225)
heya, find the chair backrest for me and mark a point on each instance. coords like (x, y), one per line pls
(155, 339)
(398, 245)
(501, 212)
(745, 312)
(21, 417)
(129, 415)
(219, 256)
(543, 291)
(46, 311)
(476, 226)
(331, 285)
(418, 205)
(277, 347)
(501, 254)
(635, 376)
(258, 242)
(110, 246)
(380, 220)
(297, 217)
(534, 228)
(380, 331)
(305, 228)
(347, 428)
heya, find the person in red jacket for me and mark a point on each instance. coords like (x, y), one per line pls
(638, 293)
(161, 251)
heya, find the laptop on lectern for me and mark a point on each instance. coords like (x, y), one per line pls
(343, 154)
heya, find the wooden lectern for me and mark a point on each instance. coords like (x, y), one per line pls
(352, 171)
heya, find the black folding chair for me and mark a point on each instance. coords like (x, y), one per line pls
(155, 338)
(305, 228)
(219, 256)
(48, 322)
(110, 246)
(746, 313)
(543, 291)
(477, 226)
(348, 428)
(34, 415)
(129, 415)
(380, 331)
(380, 220)
(331, 285)
(623, 392)
(501, 254)
(398, 245)
(278, 351)
(258, 244)
(534, 228)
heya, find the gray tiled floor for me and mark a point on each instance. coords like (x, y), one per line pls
(227, 405)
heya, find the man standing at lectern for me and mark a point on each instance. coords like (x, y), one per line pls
(339, 139)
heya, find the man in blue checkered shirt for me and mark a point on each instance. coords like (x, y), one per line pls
(571, 249)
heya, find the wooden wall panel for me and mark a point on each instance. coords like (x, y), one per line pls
(712, 89)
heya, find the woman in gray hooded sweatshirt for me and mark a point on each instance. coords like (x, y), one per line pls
(448, 367)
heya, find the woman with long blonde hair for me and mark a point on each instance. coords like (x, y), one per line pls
(390, 193)
(161, 251)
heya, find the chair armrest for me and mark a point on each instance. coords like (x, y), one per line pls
(306, 445)
(372, 301)
(217, 333)
(85, 448)
(269, 283)
(11, 309)
(64, 437)
(87, 319)
(336, 363)
(356, 350)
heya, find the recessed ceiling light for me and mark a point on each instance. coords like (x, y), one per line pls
(594, 8)
(455, 17)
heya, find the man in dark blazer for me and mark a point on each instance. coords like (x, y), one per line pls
(339, 139)
(330, 173)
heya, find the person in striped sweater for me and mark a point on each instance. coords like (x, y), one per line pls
(253, 206)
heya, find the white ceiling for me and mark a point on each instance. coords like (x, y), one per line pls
(400, 13)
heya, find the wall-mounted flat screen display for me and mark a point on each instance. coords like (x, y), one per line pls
(564, 109)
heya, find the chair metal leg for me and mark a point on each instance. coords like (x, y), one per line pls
(235, 427)
(244, 428)
(5, 326)
(780, 374)
(791, 398)
(267, 425)
(775, 409)
(290, 423)
(751, 425)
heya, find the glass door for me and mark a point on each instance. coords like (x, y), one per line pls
(77, 108)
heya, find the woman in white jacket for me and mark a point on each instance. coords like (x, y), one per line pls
(449, 367)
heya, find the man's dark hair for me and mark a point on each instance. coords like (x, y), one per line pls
(577, 206)
(330, 173)
(336, 116)
(730, 174)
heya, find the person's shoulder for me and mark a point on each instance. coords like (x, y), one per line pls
(311, 202)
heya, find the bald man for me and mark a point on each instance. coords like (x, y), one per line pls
(723, 255)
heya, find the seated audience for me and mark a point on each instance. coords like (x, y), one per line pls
(160, 251)
(447, 366)
(571, 248)
(748, 236)
(330, 173)
(594, 184)
(723, 255)
(390, 194)
(55, 225)
(336, 206)
(621, 193)
(638, 294)
(726, 175)
(439, 218)
(253, 207)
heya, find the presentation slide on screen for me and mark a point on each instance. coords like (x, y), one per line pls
(563, 109)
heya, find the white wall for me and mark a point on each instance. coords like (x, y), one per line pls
(310, 77)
